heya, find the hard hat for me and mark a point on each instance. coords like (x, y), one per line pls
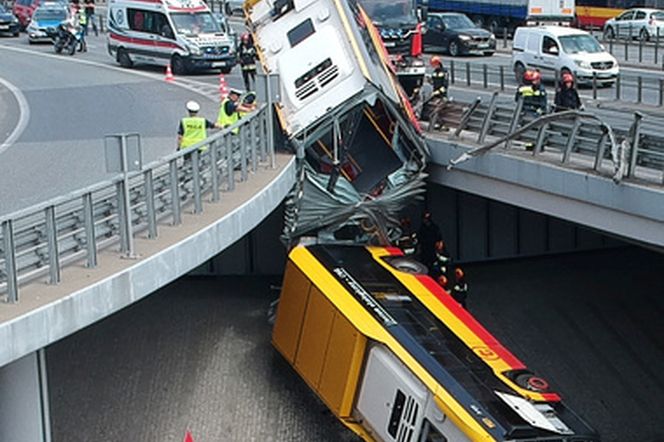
(568, 78)
(529, 75)
(435, 61)
(245, 36)
(235, 92)
(192, 106)
(458, 273)
(442, 281)
(536, 75)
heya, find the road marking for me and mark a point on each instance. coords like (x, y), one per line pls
(24, 110)
(188, 84)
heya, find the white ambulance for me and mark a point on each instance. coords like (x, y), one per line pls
(182, 33)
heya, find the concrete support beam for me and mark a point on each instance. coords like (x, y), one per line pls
(24, 410)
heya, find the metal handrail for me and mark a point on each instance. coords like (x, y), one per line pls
(43, 238)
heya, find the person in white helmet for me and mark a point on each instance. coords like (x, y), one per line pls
(193, 129)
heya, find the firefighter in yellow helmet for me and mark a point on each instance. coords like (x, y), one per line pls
(193, 129)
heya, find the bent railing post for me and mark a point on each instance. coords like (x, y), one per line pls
(466, 117)
(571, 140)
(486, 124)
(516, 117)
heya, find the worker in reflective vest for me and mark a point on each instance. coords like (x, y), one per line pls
(193, 129)
(83, 25)
(231, 109)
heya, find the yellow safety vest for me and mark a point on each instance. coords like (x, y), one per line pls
(82, 19)
(227, 120)
(194, 131)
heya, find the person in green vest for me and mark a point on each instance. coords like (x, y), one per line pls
(193, 129)
(232, 109)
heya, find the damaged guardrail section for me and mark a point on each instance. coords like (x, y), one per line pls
(41, 239)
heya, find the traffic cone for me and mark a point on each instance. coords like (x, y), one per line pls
(169, 73)
(188, 437)
(223, 86)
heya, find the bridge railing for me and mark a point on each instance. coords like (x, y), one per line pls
(39, 240)
(582, 136)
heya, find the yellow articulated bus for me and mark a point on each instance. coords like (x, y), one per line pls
(395, 358)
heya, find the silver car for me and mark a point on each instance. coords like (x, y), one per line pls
(639, 23)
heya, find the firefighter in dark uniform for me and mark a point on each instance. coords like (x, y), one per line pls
(460, 289)
(567, 97)
(534, 98)
(438, 100)
(247, 55)
(533, 94)
(442, 259)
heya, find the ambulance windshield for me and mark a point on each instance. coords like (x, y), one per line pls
(195, 23)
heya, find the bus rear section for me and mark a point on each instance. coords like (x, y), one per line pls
(396, 359)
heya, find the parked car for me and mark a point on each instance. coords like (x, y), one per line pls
(641, 23)
(44, 22)
(233, 7)
(555, 50)
(8, 22)
(457, 34)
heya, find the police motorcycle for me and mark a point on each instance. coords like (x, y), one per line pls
(66, 37)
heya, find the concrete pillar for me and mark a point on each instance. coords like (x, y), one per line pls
(24, 411)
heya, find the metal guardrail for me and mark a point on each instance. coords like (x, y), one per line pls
(587, 137)
(643, 89)
(41, 239)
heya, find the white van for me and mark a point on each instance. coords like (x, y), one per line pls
(182, 33)
(555, 50)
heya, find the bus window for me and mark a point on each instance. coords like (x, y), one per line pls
(430, 433)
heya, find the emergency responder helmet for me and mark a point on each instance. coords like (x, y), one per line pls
(435, 61)
(235, 92)
(568, 78)
(531, 76)
(458, 273)
(193, 106)
(245, 37)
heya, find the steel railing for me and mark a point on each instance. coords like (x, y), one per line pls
(585, 135)
(39, 240)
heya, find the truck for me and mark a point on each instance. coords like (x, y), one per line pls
(498, 15)
(398, 24)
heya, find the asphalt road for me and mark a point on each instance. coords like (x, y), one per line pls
(196, 354)
(71, 103)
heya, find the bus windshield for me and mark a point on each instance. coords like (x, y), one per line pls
(195, 23)
(573, 44)
(389, 11)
